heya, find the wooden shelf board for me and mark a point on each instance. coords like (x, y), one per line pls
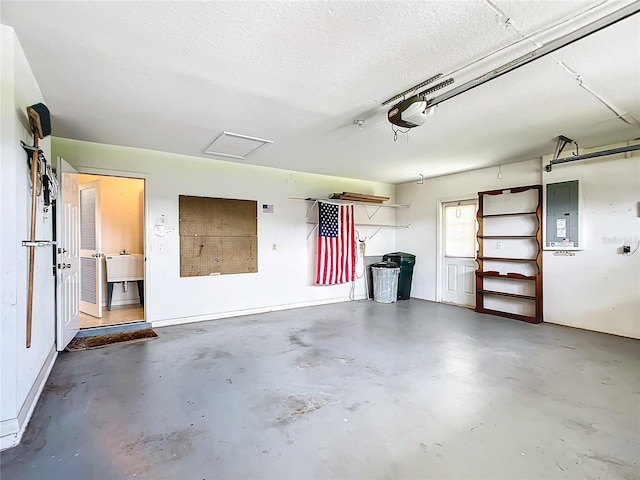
(507, 214)
(507, 294)
(508, 276)
(355, 202)
(506, 236)
(505, 259)
(515, 316)
(512, 190)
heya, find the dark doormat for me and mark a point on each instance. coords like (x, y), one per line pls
(88, 343)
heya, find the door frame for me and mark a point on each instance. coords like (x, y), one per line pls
(146, 241)
(440, 237)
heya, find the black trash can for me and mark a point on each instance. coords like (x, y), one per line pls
(406, 262)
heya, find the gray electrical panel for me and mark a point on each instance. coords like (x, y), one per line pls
(562, 215)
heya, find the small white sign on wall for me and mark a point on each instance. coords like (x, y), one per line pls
(266, 208)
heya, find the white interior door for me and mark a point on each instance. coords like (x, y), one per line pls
(459, 252)
(91, 291)
(68, 262)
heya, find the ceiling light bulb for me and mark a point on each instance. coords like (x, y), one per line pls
(429, 111)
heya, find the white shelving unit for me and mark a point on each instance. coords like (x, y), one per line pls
(375, 206)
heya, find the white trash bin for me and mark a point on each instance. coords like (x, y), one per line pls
(385, 281)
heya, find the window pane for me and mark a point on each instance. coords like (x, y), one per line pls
(460, 231)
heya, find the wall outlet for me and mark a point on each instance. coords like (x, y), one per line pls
(499, 245)
(160, 248)
(274, 247)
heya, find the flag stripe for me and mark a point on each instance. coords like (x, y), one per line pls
(343, 238)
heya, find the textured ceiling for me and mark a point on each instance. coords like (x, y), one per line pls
(171, 76)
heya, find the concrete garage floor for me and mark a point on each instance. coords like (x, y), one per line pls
(351, 390)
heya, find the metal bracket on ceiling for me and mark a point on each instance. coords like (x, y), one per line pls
(560, 144)
(585, 156)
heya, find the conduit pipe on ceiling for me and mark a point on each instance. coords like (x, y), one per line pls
(510, 23)
(545, 49)
(585, 156)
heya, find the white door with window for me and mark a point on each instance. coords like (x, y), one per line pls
(68, 255)
(91, 291)
(459, 245)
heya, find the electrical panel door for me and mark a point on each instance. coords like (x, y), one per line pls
(562, 215)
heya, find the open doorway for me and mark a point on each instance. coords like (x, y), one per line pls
(111, 250)
(458, 253)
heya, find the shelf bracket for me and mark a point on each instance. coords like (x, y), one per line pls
(312, 230)
(38, 243)
(374, 233)
(373, 214)
(315, 202)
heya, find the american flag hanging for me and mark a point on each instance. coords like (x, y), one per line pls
(336, 244)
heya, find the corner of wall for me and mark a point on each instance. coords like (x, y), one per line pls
(23, 371)
(11, 430)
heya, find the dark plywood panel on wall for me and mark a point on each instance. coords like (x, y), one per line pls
(217, 236)
(217, 217)
(217, 255)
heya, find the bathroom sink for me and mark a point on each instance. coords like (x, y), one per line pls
(125, 268)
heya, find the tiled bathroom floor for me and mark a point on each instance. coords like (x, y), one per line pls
(118, 314)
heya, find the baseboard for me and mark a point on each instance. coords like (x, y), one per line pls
(250, 311)
(10, 439)
(17, 426)
(634, 336)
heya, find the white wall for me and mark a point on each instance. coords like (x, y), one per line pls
(422, 238)
(599, 288)
(122, 212)
(122, 224)
(23, 370)
(285, 275)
